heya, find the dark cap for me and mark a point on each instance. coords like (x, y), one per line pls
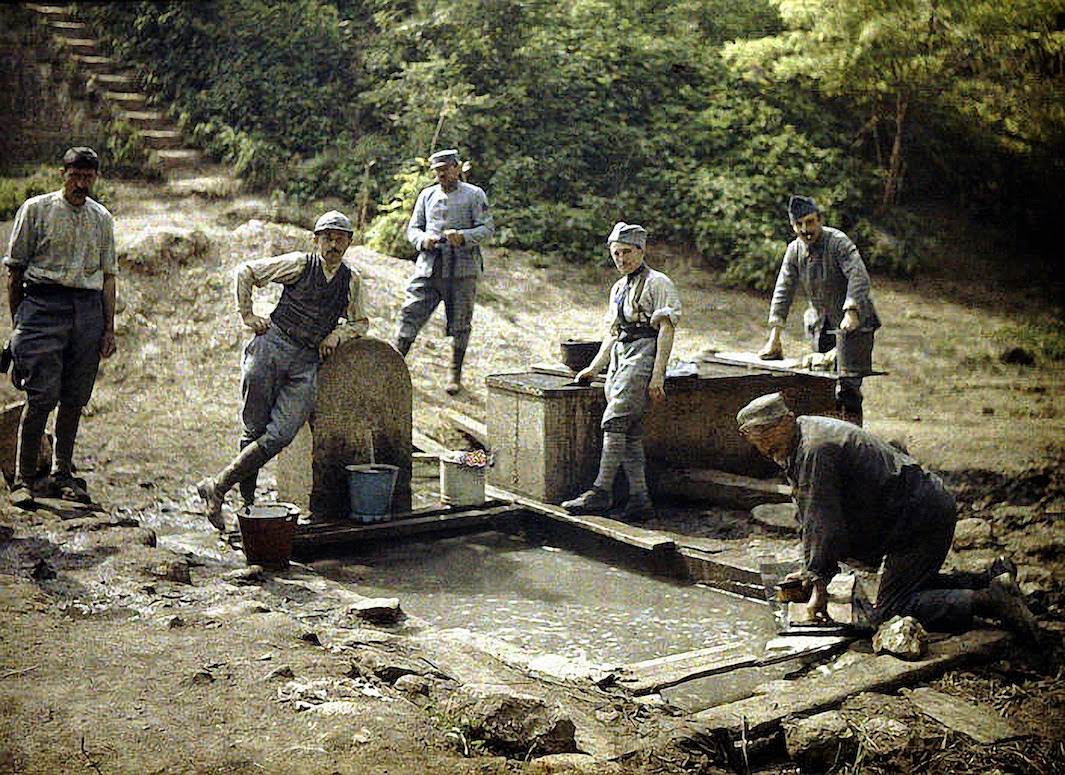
(81, 156)
(801, 206)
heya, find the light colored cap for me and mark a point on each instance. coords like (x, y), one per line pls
(629, 233)
(443, 158)
(334, 219)
(763, 410)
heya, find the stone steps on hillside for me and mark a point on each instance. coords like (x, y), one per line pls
(116, 90)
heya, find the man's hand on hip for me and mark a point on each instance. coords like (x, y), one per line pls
(850, 321)
(256, 323)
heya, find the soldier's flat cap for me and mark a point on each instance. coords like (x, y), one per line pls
(81, 156)
(801, 206)
(764, 410)
(443, 158)
(629, 233)
(334, 219)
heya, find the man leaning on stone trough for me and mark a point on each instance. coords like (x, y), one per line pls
(448, 225)
(863, 501)
(642, 311)
(836, 283)
(279, 370)
(61, 293)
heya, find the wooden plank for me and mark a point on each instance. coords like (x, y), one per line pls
(334, 534)
(653, 675)
(983, 725)
(722, 488)
(762, 715)
(426, 443)
(648, 540)
(475, 429)
(790, 365)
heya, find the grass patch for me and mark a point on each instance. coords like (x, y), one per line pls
(16, 190)
(1045, 339)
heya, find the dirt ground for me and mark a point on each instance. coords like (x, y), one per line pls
(123, 648)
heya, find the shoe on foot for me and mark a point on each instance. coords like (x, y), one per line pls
(70, 489)
(1008, 604)
(212, 503)
(638, 508)
(594, 501)
(21, 494)
(454, 383)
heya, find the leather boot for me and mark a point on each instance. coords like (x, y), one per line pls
(403, 345)
(247, 488)
(638, 508)
(454, 384)
(594, 501)
(213, 489)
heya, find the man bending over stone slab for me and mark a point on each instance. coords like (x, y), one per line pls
(643, 311)
(861, 500)
(279, 369)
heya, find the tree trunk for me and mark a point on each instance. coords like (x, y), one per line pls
(894, 178)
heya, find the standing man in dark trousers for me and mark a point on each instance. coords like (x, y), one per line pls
(61, 293)
(831, 271)
(862, 501)
(279, 371)
(448, 225)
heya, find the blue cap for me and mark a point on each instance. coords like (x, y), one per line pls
(629, 233)
(334, 219)
(443, 158)
(801, 206)
(764, 410)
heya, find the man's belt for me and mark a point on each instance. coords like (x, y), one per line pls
(54, 289)
(632, 333)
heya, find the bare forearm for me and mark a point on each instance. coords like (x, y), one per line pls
(664, 347)
(109, 302)
(603, 356)
(15, 290)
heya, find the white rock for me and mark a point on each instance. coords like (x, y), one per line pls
(901, 636)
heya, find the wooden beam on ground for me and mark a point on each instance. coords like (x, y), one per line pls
(648, 540)
(983, 725)
(426, 443)
(653, 675)
(762, 715)
(418, 524)
(475, 429)
(721, 487)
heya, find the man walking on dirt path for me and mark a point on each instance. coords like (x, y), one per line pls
(836, 282)
(61, 293)
(861, 500)
(279, 370)
(448, 225)
(643, 311)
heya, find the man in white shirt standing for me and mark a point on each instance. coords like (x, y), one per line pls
(61, 268)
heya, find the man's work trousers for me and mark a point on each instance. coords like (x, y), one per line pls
(911, 584)
(424, 295)
(278, 382)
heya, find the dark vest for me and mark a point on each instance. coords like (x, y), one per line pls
(310, 307)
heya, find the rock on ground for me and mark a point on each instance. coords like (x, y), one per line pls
(901, 636)
(821, 741)
(972, 533)
(513, 722)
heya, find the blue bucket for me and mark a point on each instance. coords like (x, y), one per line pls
(370, 486)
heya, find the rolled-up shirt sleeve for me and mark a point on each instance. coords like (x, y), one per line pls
(416, 226)
(23, 238)
(665, 301)
(851, 264)
(283, 269)
(108, 256)
(356, 322)
(483, 226)
(817, 494)
(784, 289)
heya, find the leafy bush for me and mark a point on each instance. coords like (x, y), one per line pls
(127, 154)
(388, 231)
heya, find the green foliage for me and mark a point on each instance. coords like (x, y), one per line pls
(1045, 338)
(258, 161)
(127, 154)
(16, 190)
(388, 231)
